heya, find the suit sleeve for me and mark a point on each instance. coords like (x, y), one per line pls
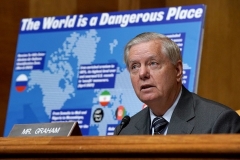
(227, 122)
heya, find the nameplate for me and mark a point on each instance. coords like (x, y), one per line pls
(46, 129)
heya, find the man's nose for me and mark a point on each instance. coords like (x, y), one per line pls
(144, 72)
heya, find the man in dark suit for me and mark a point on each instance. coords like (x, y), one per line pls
(155, 66)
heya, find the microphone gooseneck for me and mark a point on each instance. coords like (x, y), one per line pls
(124, 123)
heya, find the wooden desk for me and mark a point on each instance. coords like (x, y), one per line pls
(123, 147)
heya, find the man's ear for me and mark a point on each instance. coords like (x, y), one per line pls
(179, 70)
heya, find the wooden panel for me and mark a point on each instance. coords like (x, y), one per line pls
(144, 4)
(87, 6)
(43, 8)
(139, 4)
(11, 12)
(116, 147)
(128, 4)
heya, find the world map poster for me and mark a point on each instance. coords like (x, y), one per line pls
(71, 68)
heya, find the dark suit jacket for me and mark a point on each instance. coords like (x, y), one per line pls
(192, 115)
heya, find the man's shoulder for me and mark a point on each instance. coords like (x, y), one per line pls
(198, 106)
(206, 115)
(198, 100)
(205, 102)
(143, 113)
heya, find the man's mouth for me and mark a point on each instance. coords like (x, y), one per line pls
(146, 86)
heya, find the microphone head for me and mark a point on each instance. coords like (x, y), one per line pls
(125, 121)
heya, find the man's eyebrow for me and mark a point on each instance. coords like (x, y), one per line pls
(131, 61)
(153, 57)
(149, 58)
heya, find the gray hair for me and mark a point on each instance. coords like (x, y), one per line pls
(169, 47)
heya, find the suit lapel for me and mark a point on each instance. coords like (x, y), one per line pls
(183, 115)
(143, 125)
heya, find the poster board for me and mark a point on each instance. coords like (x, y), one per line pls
(71, 68)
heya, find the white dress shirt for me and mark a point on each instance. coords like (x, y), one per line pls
(168, 114)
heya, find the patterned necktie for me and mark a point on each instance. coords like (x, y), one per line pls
(159, 125)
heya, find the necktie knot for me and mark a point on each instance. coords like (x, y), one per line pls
(159, 124)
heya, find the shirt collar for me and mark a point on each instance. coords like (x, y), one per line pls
(168, 114)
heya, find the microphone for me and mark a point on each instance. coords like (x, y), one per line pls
(124, 123)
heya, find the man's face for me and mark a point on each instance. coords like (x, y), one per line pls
(154, 78)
